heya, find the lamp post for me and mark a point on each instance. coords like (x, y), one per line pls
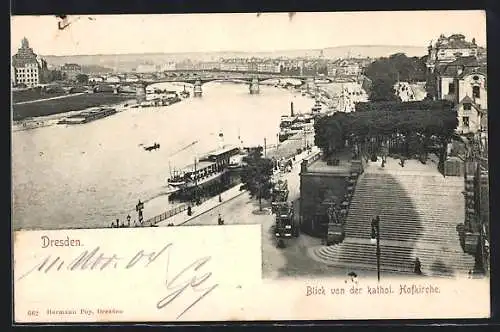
(375, 238)
(265, 147)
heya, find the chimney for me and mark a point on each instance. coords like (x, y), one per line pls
(291, 108)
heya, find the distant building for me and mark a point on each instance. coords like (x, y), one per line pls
(269, 67)
(464, 82)
(169, 66)
(449, 76)
(27, 66)
(331, 69)
(448, 49)
(146, 68)
(185, 65)
(212, 65)
(96, 79)
(113, 79)
(131, 78)
(71, 71)
(347, 68)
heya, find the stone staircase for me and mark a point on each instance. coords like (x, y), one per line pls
(419, 212)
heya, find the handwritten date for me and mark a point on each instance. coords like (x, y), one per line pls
(191, 277)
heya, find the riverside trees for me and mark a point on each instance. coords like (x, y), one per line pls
(409, 127)
(256, 175)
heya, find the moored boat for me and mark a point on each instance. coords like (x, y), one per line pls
(208, 168)
(88, 116)
(317, 107)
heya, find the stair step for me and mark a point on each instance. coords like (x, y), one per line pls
(415, 209)
(404, 266)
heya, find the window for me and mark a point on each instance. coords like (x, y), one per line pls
(451, 88)
(465, 121)
(476, 92)
(467, 106)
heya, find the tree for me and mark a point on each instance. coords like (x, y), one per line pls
(398, 67)
(436, 120)
(82, 78)
(256, 175)
(383, 90)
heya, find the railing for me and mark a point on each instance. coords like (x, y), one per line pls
(313, 157)
(165, 215)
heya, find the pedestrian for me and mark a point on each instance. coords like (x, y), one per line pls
(417, 268)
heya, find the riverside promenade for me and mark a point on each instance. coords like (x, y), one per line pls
(182, 218)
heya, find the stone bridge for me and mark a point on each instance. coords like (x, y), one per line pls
(204, 77)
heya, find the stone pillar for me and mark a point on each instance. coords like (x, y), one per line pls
(310, 84)
(303, 166)
(140, 93)
(197, 90)
(484, 196)
(254, 87)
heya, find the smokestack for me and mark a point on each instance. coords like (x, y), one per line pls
(291, 108)
(221, 140)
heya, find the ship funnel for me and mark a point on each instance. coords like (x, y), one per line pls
(291, 108)
(221, 139)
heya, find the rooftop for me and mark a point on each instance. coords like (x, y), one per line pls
(320, 166)
(466, 65)
(455, 41)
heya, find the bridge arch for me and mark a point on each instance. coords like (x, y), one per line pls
(205, 77)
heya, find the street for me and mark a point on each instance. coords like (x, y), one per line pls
(293, 260)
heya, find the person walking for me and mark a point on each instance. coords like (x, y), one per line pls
(417, 269)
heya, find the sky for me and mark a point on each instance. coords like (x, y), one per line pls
(118, 34)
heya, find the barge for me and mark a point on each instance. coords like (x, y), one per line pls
(88, 116)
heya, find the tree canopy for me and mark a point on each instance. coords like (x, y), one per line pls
(385, 72)
(82, 78)
(382, 89)
(398, 66)
(256, 175)
(48, 76)
(428, 119)
(399, 106)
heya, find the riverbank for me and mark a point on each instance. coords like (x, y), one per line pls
(177, 214)
(97, 172)
(62, 105)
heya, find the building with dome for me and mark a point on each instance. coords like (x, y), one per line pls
(27, 67)
(448, 49)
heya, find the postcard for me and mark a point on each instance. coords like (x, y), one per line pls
(250, 166)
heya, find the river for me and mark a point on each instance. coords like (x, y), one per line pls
(86, 176)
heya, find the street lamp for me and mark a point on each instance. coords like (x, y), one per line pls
(375, 239)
